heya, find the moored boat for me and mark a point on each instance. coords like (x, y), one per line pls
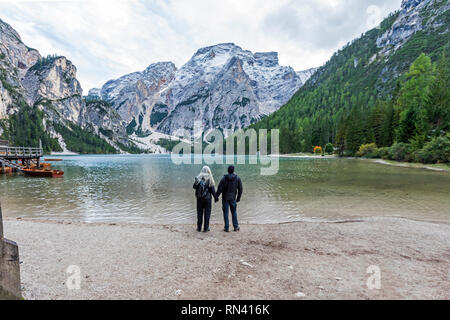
(57, 173)
(6, 170)
(45, 173)
(43, 165)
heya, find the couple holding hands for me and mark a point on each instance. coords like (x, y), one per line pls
(230, 187)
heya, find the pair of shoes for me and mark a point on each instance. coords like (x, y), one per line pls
(237, 229)
(226, 230)
(208, 230)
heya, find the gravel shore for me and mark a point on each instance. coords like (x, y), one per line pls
(305, 260)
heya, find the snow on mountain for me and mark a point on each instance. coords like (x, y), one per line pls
(223, 85)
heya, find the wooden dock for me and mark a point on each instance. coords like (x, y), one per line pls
(17, 153)
(18, 158)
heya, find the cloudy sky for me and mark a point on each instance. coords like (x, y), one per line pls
(106, 39)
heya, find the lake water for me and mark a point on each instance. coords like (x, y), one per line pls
(151, 189)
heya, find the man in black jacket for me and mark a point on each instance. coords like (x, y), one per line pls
(231, 188)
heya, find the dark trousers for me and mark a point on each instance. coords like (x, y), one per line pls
(226, 206)
(203, 211)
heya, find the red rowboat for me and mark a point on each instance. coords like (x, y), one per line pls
(44, 173)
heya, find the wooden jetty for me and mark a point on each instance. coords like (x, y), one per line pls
(18, 157)
(26, 160)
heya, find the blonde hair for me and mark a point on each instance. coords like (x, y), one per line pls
(207, 176)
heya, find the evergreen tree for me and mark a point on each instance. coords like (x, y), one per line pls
(354, 134)
(377, 123)
(388, 126)
(413, 100)
(438, 107)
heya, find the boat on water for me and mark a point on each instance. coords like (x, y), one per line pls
(54, 160)
(43, 165)
(45, 173)
(6, 170)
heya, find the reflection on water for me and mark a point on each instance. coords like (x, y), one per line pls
(151, 189)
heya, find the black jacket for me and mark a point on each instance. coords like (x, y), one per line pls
(211, 192)
(231, 187)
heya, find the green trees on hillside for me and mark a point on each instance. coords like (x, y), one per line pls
(360, 97)
(350, 78)
(44, 62)
(342, 105)
(381, 123)
(25, 128)
(411, 105)
(438, 107)
(82, 141)
(418, 114)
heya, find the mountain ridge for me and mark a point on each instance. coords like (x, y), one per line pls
(191, 92)
(223, 85)
(40, 97)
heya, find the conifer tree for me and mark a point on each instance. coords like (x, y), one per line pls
(413, 100)
(438, 107)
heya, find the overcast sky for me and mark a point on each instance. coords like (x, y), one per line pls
(106, 39)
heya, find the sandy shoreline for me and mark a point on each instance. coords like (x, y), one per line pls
(321, 260)
(410, 165)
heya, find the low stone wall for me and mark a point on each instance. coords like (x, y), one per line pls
(9, 267)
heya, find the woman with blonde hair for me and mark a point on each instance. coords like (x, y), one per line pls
(205, 190)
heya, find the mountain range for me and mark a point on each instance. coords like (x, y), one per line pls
(223, 86)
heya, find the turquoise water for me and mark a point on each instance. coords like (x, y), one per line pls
(151, 189)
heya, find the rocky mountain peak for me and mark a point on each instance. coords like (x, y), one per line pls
(15, 51)
(224, 85)
(15, 60)
(413, 17)
(266, 59)
(410, 4)
(7, 29)
(52, 78)
(155, 76)
(210, 51)
(160, 68)
(212, 57)
(235, 67)
(95, 93)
